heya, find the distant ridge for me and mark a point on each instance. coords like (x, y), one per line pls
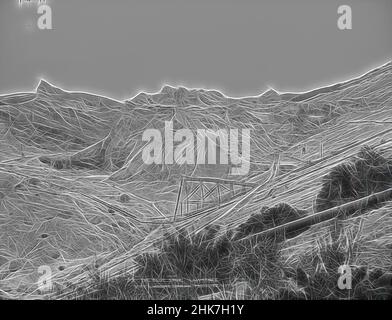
(271, 95)
(171, 94)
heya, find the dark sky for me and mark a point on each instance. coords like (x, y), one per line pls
(118, 47)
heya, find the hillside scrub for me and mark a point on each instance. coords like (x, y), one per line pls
(256, 260)
(370, 172)
(269, 218)
(188, 256)
(228, 257)
(207, 255)
(224, 258)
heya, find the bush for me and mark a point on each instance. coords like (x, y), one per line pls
(371, 172)
(189, 257)
(269, 218)
(210, 256)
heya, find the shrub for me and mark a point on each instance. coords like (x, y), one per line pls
(371, 172)
(269, 218)
(189, 257)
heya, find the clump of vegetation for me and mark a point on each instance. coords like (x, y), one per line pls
(256, 262)
(269, 218)
(320, 280)
(370, 172)
(189, 266)
(189, 256)
(216, 256)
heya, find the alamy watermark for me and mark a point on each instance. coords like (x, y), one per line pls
(44, 282)
(345, 17)
(189, 147)
(44, 12)
(345, 278)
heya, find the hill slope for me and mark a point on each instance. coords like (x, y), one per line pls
(74, 190)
